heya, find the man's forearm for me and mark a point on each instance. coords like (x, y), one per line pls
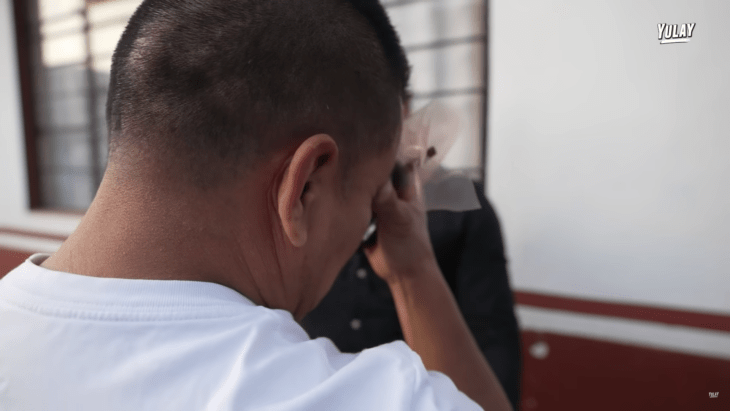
(434, 328)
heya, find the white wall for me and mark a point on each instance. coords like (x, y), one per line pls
(609, 154)
(14, 212)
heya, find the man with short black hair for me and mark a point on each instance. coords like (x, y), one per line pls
(251, 142)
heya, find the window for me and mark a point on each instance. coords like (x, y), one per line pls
(446, 43)
(65, 50)
(65, 54)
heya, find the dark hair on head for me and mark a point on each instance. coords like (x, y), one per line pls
(208, 86)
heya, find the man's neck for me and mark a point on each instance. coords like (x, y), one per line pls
(148, 235)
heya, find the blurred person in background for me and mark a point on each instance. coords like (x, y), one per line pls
(359, 312)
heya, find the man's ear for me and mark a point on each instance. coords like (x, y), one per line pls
(299, 185)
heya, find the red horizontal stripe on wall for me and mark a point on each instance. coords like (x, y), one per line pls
(9, 259)
(635, 312)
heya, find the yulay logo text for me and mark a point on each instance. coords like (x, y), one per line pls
(675, 33)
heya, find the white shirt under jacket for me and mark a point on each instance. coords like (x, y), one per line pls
(71, 342)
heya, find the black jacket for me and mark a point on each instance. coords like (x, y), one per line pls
(359, 312)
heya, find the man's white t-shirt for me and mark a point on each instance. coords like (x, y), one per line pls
(72, 342)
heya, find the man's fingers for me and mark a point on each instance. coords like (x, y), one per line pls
(391, 199)
(386, 195)
(413, 190)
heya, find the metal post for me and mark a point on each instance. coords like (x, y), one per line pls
(485, 96)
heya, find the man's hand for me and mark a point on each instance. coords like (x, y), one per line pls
(427, 311)
(403, 248)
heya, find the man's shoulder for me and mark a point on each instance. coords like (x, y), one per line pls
(167, 356)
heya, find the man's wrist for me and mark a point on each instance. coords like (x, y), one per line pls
(425, 268)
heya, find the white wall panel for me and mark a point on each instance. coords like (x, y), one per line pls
(609, 154)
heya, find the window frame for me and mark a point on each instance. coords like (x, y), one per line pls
(28, 104)
(480, 175)
(28, 44)
(28, 38)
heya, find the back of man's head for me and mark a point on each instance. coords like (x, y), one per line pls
(206, 88)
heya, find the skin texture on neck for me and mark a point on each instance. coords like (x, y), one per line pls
(160, 230)
(278, 235)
